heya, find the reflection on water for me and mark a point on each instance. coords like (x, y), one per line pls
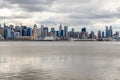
(81, 66)
(22, 69)
(51, 68)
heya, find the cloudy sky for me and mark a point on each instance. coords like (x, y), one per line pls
(74, 13)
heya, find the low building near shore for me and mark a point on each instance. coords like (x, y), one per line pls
(24, 38)
(49, 39)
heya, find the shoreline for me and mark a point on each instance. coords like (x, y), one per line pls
(58, 40)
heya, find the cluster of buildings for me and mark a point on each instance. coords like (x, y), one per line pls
(28, 33)
(108, 34)
(43, 33)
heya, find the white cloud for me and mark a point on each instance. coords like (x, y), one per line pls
(69, 12)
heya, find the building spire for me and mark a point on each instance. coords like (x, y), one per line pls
(60, 27)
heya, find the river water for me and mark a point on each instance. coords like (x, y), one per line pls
(59, 60)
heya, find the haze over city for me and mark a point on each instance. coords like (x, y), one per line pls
(93, 14)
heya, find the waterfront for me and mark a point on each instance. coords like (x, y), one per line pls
(59, 60)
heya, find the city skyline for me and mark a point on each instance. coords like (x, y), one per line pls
(11, 32)
(87, 13)
(89, 29)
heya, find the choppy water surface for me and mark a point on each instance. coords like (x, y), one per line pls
(59, 60)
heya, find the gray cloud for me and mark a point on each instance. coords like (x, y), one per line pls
(32, 5)
(21, 16)
(74, 12)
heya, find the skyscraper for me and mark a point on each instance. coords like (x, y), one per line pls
(41, 32)
(60, 30)
(52, 32)
(24, 30)
(16, 34)
(29, 31)
(60, 27)
(83, 33)
(72, 32)
(45, 31)
(99, 34)
(117, 35)
(92, 35)
(35, 32)
(110, 32)
(65, 33)
(103, 35)
(83, 30)
(7, 33)
(107, 32)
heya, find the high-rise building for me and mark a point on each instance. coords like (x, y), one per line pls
(42, 31)
(83, 30)
(60, 27)
(83, 34)
(24, 30)
(35, 32)
(91, 35)
(99, 34)
(29, 31)
(45, 31)
(60, 30)
(57, 33)
(53, 32)
(117, 35)
(65, 33)
(17, 29)
(7, 33)
(107, 32)
(110, 32)
(72, 32)
(16, 34)
(103, 35)
(62, 33)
